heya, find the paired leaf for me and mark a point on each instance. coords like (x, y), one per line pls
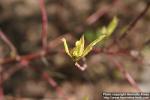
(79, 47)
(66, 46)
(111, 27)
(104, 33)
(90, 46)
(79, 52)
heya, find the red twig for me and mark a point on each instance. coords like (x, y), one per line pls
(100, 12)
(109, 52)
(126, 75)
(131, 25)
(44, 33)
(9, 43)
(135, 21)
(52, 44)
(1, 88)
(1, 93)
(54, 84)
(50, 80)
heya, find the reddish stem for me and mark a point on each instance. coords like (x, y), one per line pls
(44, 33)
(1, 93)
(54, 43)
(54, 84)
(126, 75)
(8, 42)
(135, 21)
(99, 13)
(1, 88)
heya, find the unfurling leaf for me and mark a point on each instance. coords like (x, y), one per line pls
(111, 27)
(90, 46)
(66, 46)
(79, 51)
(79, 47)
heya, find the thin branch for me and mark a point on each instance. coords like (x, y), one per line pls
(1, 88)
(126, 75)
(54, 84)
(1, 93)
(135, 21)
(100, 13)
(37, 54)
(9, 43)
(119, 52)
(44, 33)
(25, 64)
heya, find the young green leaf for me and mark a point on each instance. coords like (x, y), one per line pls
(104, 33)
(79, 47)
(66, 46)
(79, 52)
(111, 27)
(90, 46)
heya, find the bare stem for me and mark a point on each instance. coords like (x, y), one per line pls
(9, 43)
(1, 88)
(54, 84)
(1, 93)
(44, 33)
(135, 21)
(126, 75)
(100, 13)
(52, 44)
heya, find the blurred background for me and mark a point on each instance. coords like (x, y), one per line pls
(54, 75)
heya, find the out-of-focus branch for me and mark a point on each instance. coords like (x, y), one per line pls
(24, 60)
(94, 17)
(135, 21)
(54, 84)
(119, 52)
(9, 43)
(37, 54)
(1, 88)
(44, 33)
(100, 12)
(131, 25)
(25, 64)
(1, 93)
(126, 75)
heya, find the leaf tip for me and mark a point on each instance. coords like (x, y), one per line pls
(63, 39)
